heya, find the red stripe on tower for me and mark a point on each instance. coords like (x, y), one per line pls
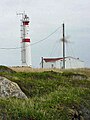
(26, 40)
(25, 22)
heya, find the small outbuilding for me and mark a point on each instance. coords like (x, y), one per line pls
(70, 62)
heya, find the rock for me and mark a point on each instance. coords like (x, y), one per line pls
(86, 112)
(80, 113)
(10, 89)
(6, 69)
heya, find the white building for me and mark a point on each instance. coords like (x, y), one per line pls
(70, 62)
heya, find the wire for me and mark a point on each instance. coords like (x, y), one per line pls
(55, 47)
(45, 37)
(32, 43)
(11, 48)
(72, 53)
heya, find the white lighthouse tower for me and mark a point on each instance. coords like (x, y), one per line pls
(25, 43)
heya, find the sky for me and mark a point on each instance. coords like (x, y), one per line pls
(45, 17)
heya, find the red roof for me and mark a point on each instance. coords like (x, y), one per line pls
(56, 59)
(52, 59)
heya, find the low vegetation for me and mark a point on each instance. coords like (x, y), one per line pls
(51, 95)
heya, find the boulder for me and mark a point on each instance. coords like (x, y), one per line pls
(10, 89)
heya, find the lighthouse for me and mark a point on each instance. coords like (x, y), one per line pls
(25, 41)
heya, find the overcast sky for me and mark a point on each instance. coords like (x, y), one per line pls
(45, 17)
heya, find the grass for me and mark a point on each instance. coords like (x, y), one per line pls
(51, 95)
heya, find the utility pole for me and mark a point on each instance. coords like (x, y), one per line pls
(42, 62)
(63, 46)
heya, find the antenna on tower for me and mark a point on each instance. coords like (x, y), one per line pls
(20, 14)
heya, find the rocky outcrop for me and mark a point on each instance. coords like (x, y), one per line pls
(86, 112)
(10, 89)
(6, 69)
(80, 113)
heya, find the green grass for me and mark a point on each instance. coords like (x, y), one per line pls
(51, 95)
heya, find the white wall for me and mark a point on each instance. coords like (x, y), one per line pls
(70, 63)
(74, 63)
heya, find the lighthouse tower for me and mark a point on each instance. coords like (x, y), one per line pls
(25, 43)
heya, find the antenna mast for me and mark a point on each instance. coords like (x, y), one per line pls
(63, 46)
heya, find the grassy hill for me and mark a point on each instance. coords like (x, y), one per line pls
(51, 95)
